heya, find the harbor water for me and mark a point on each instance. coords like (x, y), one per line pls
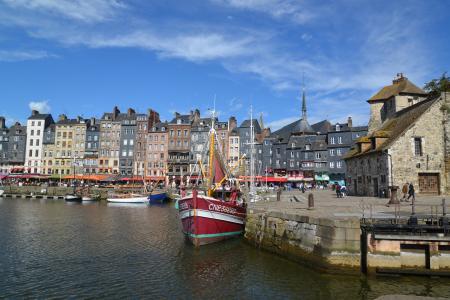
(50, 248)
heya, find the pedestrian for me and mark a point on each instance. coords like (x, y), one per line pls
(411, 192)
(404, 192)
(338, 190)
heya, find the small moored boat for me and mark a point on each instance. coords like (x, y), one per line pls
(128, 198)
(72, 198)
(157, 197)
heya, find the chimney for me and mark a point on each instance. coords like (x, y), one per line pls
(34, 112)
(153, 118)
(2, 123)
(196, 115)
(130, 112)
(177, 115)
(92, 121)
(232, 123)
(349, 122)
(62, 117)
(79, 119)
(115, 113)
(399, 78)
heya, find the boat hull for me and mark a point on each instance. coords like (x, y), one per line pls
(72, 198)
(207, 220)
(157, 198)
(128, 200)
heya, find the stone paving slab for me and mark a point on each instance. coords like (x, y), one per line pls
(327, 205)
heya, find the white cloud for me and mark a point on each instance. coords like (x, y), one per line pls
(277, 124)
(80, 10)
(18, 55)
(41, 106)
(235, 105)
(293, 10)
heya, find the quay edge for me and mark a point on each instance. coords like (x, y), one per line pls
(322, 243)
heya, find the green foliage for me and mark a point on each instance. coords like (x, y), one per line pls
(445, 108)
(436, 86)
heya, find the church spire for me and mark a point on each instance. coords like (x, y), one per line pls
(303, 98)
(303, 105)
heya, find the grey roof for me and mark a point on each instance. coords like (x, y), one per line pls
(185, 119)
(285, 132)
(39, 117)
(247, 123)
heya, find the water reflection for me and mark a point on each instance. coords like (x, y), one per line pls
(49, 249)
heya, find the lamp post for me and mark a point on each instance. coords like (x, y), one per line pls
(393, 188)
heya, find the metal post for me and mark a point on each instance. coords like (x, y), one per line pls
(444, 209)
(310, 201)
(413, 207)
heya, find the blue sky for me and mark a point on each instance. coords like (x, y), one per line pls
(84, 57)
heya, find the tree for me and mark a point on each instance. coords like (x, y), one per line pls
(436, 86)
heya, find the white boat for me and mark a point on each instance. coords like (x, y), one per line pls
(128, 198)
(89, 199)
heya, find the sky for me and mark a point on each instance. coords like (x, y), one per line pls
(84, 57)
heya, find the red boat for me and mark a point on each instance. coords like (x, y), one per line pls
(208, 220)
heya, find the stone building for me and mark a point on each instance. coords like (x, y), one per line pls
(12, 147)
(36, 125)
(69, 147)
(341, 137)
(49, 150)
(110, 127)
(179, 146)
(92, 144)
(127, 142)
(233, 144)
(157, 152)
(407, 146)
(144, 122)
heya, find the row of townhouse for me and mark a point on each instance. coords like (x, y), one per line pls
(135, 144)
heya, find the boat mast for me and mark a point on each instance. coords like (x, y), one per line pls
(252, 150)
(212, 135)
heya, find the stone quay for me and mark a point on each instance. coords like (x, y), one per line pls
(342, 234)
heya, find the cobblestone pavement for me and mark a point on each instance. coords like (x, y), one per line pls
(326, 204)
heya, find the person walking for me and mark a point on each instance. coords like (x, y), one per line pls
(411, 193)
(404, 192)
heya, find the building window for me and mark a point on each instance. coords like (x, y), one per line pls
(340, 140)
(307, 147)
(418, 146)
(338, 152)
(331, 152)
(318, 155)
(339, 164)
(292, 154)
(332, 141)
(331, 164)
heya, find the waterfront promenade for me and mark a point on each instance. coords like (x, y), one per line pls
(327, 205)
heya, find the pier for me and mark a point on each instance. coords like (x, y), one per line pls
(354, 234)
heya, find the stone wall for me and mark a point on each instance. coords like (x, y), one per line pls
(406, 165)
(320, 242)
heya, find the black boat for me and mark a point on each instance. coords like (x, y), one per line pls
(73, 198)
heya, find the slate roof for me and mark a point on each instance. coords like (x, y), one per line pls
(256, 126)
(285, 132)
(185, 119)
(393, 128)
(39, 117)
(399, 86)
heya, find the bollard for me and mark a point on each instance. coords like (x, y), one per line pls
(444, 209)
(413, 207)
(310, 201)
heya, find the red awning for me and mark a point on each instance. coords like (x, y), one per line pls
(264, 178)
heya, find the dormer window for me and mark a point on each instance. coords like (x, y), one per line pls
(338, 127)
(293, 145)
(307, 147)
(178, 121)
